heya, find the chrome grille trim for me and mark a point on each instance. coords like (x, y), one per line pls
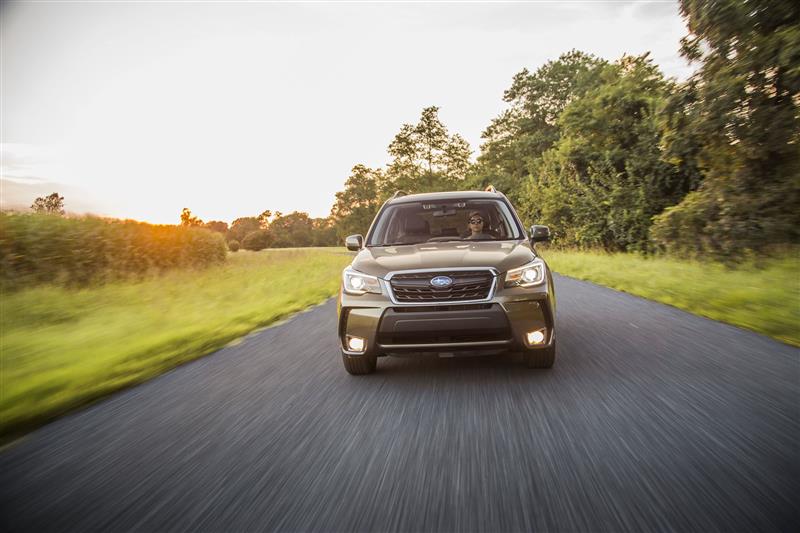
(387, 285)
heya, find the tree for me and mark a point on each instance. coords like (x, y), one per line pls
(355, 207)
(187, 219)
(605, 178)
(455, 158)
(517, 138)
(218, 226)
(257, 240)
(264, 217)
(52, 204)
(324, 232)
(293, 230)
(241, 227)
(426, 157)
(745, 114)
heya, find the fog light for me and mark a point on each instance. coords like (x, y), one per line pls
(536, 337)
(356, 344)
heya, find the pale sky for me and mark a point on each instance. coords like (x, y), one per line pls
(231, 108)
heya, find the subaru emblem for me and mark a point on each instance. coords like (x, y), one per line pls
(440, 282)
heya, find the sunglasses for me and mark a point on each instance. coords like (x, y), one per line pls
(476, 220)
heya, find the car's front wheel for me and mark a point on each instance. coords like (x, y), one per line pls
(360, 364)
(542, 358)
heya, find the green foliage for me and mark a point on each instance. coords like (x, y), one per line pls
(64, 347)
(242, 226)
(233, 245)
(293, 230)
(218, 226)
(605, 178)
(426, 158)
(52, 204)
(518, 137)
(615, 156)
(324, 232)
(355, 207)
(257, 240)
(744, 110)
(76, 251)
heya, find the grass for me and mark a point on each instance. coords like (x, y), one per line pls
(764, 299)
(61, 348)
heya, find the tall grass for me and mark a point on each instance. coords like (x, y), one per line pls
(763, 298)
(77, 251)
(62, 347)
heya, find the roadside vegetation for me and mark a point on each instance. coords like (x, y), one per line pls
(611, 154)
(47, 248)
(765, 299)
(63, 347)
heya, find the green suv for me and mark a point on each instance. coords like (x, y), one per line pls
(446, 273)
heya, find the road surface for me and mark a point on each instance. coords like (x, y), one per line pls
(652, 420)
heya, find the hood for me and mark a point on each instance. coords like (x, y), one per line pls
(380, 260)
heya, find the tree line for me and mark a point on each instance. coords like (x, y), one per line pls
(609, 154)
(269, 230)
(614, 155)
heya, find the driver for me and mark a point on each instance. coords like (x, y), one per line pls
(476, 225)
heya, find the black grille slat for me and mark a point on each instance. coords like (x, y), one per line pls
(467, 285)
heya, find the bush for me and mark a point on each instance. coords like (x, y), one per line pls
(725, 221)
(683, 229)
(233, 245)
(76, 251)
(257, 240)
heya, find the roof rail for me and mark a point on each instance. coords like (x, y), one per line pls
(398, 194)
(490, 188)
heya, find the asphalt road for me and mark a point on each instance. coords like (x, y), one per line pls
(652, 419)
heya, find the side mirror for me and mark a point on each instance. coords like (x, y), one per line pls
(354, 243)
(539, 234)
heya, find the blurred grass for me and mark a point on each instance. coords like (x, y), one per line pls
(765, 299)
(61, 348)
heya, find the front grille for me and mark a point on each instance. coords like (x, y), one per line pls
(467, 285)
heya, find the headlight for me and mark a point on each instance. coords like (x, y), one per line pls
(358, 283)
(526, 275)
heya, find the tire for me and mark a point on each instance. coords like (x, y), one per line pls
(543, 358)
(360, 364)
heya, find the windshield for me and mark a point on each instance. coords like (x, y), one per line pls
(455, 220)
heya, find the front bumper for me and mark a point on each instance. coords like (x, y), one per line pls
(499, 323)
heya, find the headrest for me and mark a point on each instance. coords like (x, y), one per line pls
(415, 224)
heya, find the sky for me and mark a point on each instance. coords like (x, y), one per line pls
(138, 109)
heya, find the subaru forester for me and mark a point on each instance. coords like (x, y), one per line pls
(449, 273)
